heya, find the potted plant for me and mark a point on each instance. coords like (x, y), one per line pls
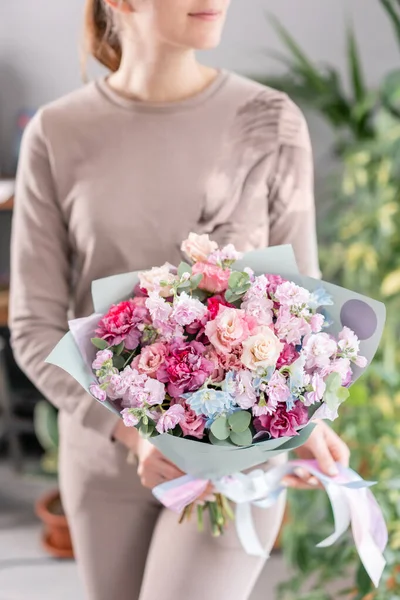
(359, 249)
(56, 537)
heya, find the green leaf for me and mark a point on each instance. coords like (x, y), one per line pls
(297, 53)
(119, 349)
(216, 442)
(356, 71)
(184, 268)
(239, 421)
(195, 280)
(99, 343)
(147, 429)
(118, 362)
(244, 438)
(184, 285)
(343, 394)
(220, 428)
(235, 279)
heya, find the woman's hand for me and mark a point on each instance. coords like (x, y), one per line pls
(325, 446)
(153, 467)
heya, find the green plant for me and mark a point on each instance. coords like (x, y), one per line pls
(46, 430)
(360, 250)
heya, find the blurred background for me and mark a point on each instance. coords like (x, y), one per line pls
(340, 60)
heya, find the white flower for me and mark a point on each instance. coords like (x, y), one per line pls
(261, 350)
(290, 294)
(187, 310)
(151, 280)
(159, 309)
(198, 247)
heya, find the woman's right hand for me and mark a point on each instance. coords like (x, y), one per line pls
(153, 467)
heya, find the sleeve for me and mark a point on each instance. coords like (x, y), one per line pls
(40, 281)
(291, 192)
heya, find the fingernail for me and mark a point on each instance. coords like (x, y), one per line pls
(313, 481)
(333, 471)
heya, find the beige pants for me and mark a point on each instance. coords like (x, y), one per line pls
(130, 548)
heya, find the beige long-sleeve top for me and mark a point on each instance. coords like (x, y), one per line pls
(107, 185)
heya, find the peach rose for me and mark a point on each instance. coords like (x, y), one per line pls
(229, 329)
(215, 279)
(261, 350)
(151, 280)
(198, 247)
(150, 359)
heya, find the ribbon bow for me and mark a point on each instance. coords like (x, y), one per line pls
(351, 500)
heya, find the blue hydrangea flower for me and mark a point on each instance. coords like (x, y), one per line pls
(320, 297)
(209, 402)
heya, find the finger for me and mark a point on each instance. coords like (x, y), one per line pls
(325, 459)
(305, 476)
(291, 481)
(168, 462)
(167, 470)
(341, 452)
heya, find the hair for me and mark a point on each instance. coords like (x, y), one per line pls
(101, 40)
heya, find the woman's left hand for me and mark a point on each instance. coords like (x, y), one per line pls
(326, 447)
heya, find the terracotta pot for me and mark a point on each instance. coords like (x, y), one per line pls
(56, 538)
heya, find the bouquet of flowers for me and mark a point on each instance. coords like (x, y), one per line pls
(224, 361)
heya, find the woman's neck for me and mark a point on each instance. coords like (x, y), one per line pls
(165, 76)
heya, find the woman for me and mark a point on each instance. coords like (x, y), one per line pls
(111, 179)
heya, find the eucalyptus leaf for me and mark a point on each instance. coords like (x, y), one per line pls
(216, 442)
(244, 438)
(239, 421)
(118, 362)
(118, 350)
(184, 268)
(184, 285)
(195, 280)
(99, 343)
(220, 428)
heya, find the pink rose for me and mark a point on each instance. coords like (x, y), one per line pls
(283, 423)
(120, 324)
(192, 425)
(287, 357)
(215, 279)
(229, 329)
(198, 247)
(171, 418)
(185, 369)
(150, 359)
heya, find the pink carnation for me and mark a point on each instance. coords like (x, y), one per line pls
(229, 329)
(150, 359)
(120, 324)
(215, 279)
(287, 357)
(192, 425)
(188, 310)
(171, 418)
(214, 303)
(283, 423)
(185, 368)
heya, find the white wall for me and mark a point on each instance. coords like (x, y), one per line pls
(39, 39)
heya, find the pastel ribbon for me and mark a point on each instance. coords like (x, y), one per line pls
(352, 504)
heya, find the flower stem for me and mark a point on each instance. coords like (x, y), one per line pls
(200, 518)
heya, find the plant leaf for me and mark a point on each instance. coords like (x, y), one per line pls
(239, 421)
(184, 267)
(118, 350)
(195, 280)
(216, 442)
(118, 362)
(244, 438)
(355, 67)
(99, 343)
(220, 428)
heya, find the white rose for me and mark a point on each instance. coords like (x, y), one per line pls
(198, 247)
(261, 350)
(151, 280)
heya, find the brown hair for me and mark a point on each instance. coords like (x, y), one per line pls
(101, 41)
